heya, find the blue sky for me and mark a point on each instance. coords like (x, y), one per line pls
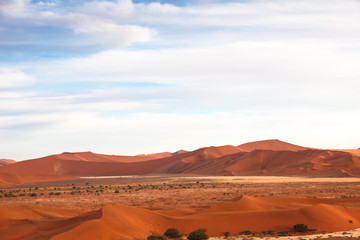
(132, 77)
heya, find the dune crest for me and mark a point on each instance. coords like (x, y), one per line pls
(124, 222)
(272, 144)
(5, 162)
(261, 158)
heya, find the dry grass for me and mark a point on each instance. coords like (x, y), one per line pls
(159, 192)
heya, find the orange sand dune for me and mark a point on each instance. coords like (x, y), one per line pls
(273, 144)
(270, 158)
(4, 162)
(29, 222)
(123, 222)
(301, 163)
(95, 157)
(210, 153)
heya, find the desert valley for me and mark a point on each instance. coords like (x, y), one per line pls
(256, 189)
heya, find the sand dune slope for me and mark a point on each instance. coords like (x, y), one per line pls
(273, 144)
(5, 162)
(123, 222)
(34, 222)
(271, 157)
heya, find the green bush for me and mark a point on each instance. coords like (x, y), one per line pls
(152, 237)
(284, 233)
(172, 233)
(300, 227)
(268, 232)
(198, 235)
(155, 237)
(246, 233)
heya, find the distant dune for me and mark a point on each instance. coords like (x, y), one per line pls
(123, 222)
(269, 158)
(5, 162)
(273, 144)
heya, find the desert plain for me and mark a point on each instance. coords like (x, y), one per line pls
(235, 190)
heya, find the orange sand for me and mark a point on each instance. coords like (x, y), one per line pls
(262, 158)
(123, 222)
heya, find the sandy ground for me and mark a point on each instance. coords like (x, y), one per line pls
(155, 192)
(335, 235)
(185, 202)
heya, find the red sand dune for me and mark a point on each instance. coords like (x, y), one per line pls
(123, 222)
(273, 144)
(95, 157)
(271, 157)
(5, 162)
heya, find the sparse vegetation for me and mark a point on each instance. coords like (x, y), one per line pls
(247, 232)
(32, 194)
(226, 234)
(156, 237)
(284, 233)
(300, 227)
(198, 235)
(268, 232)
(172, 233)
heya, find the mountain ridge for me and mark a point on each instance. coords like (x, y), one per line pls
(268, 157)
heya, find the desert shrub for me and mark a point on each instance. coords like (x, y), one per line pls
(284, 233)
(116, 191)
(51, 193)
(9, 195)
(198, 235)
(172, 233)
(0, 196)
(300, 227)
(350, 221)
(226, 234)
(32, 194)
(268, 232)
(246, 233)
(57, 193)
(152, 237)
(155, 237)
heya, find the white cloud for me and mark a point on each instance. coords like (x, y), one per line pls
(240, 63)
(12, 79)
(38, 135)
(229, 73)
(14, 8)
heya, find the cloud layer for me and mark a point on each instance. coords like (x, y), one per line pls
(123, 77)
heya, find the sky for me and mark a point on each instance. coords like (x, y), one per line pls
(130, 77)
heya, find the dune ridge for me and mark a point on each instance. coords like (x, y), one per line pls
(124, 222)
(5, 162)
(261, 158)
